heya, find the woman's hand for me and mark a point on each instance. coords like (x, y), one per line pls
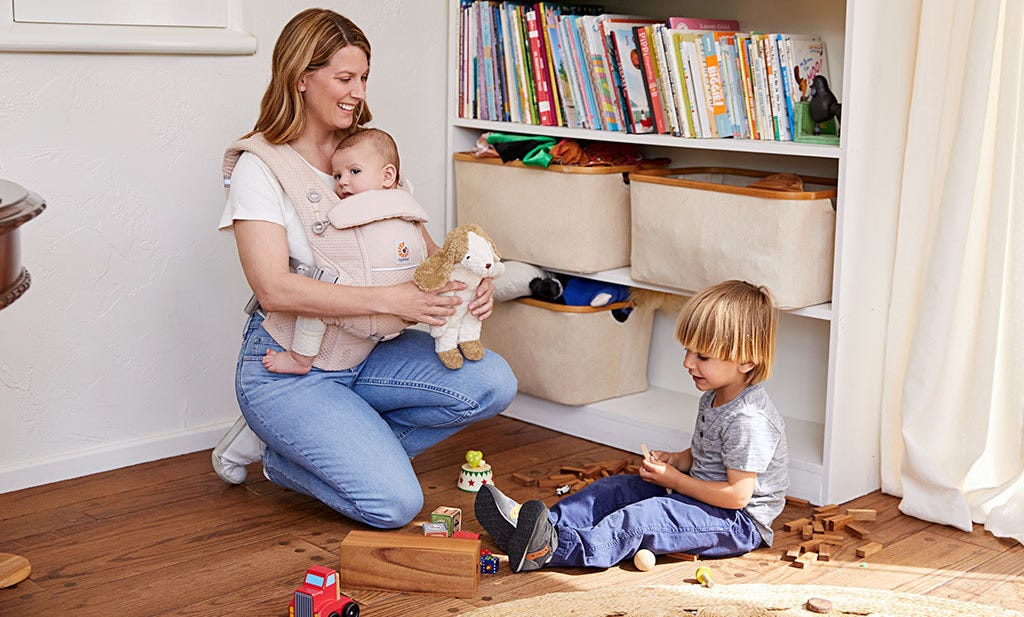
(483, 304)
(413, 304)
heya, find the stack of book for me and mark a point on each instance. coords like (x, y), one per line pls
(576, 66)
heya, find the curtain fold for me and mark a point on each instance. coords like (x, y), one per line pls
(953, 403)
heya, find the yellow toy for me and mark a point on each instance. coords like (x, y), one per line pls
(704, 576)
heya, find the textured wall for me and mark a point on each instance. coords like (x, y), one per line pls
(124, 348)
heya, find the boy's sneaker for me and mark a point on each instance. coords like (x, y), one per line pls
(236, 449)
(497, 514)
(534, 540)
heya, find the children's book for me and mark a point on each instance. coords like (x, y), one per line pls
(662, 70)
(586, 82)
(689, 81)
(643, 44)
(808, 59)
(677, 82)
(635, 102)
(700, 23)
(723, 126)
(742, 41)
(541, 78)
(593, 42)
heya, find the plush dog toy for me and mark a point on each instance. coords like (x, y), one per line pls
(467, 255)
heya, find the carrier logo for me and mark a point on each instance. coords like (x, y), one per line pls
(401, 252)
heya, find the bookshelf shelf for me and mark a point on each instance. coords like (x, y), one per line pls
(821, 383)
(788, 148)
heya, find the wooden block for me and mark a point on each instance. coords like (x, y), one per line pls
(795, 524)
(682, 556)
(805, 560)
(811, 545)
(829, 510)
(859, 530)
(594, 471)
(631, 469)
(837, 521)
(868, 549)
(818, 526)
(865, 514)
(573, 470)
(524, 479)
(792, 554)
(794, 501)
(807, 532)
(825, 552)
(616, 467)
(564, 477)
(404, 562)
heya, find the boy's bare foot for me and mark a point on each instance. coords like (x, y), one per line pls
(286, 362)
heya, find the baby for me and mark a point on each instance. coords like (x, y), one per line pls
(364, 161)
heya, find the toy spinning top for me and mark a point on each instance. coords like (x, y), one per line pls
(475, 472)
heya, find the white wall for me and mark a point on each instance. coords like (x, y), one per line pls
(124, 348)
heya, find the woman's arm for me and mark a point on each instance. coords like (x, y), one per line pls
(263, 251)
(734, 493)
(482, 304)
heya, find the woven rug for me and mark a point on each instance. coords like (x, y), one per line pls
(758, 600)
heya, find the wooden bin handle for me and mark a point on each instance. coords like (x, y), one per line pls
(567, 169)
(659, 176)
(567, 308)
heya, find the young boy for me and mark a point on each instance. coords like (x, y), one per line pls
(716, 499)
(366, 160)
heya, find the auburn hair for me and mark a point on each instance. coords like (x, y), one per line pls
(733, 321)
(307, 43)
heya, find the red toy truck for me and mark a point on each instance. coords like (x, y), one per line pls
(320, 596)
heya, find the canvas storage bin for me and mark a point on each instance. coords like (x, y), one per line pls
(698, 226)
(564, 217)
(572, 355)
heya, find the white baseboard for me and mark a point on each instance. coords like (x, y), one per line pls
(109, 456)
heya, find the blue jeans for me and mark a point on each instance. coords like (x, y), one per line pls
(613, 518)
(346, 437)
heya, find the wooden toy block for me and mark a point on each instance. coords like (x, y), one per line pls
(616, 467)
(435, 530)
(831, 538)
(805, 560)
(573, 470)
(837, 522)
(683, 556)
(562, 478)
(818, 526)
(869, 549)
(825, 552)
(631, 469)
(795, 501)
(792, 554)
(404, 562)
(807, 532)
(795, 524)
(465, 535)
(827, 509)
(549, 483)
(811, 545)
(859, 530)
(594, 471)
(524, 479)
(862, 514)
(449, 517)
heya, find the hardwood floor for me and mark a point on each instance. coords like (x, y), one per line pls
(169, 538)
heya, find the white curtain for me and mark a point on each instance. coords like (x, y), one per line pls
(953, 397)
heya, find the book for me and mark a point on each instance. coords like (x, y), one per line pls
(677, 82)
(661, 71)
(688, 81)
(541, 81)
(742, 41)
(706, 45)
(808, 59)
(586, 85)
(650, 79)
(602, 81)
(559, 75)
(702, 93)
(700, 23)
(635, 103)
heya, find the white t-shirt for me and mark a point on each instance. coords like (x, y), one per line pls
(256, 195)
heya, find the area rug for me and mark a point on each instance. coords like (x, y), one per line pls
(756, 600)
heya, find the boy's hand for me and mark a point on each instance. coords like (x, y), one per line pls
(666, 458)
(659, 471)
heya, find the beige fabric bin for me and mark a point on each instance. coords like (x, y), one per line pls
(564, 217)
(694, 227)
(572, 355)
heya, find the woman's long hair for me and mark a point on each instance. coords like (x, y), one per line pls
(307, 43)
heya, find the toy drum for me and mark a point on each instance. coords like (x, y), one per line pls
(472, 478)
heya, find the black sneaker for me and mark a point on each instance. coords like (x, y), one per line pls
(534, 539)
(497, 514)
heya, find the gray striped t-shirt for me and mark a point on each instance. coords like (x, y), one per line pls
(745, 434)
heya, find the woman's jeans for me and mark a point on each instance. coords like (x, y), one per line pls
(613, 518)
(346, 437)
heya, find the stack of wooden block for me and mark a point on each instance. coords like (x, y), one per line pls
(826, 530)
(576, 477)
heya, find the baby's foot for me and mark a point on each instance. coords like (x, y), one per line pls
(285, 362)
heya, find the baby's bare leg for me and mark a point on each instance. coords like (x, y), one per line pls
(287, 362)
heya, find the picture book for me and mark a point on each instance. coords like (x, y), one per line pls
(661, 71)
(676, 82)
(700, 23)
(650, 78)
(723, 126)
(630, 66)
(808, 58)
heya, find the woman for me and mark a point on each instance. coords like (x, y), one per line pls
(344, 435)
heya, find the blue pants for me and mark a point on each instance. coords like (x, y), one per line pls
(346, 437)
(613, 518)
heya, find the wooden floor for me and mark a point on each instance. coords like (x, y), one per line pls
(169, 538)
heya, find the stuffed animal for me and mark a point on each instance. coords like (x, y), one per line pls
(467, 255)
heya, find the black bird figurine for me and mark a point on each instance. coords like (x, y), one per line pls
(823, 104)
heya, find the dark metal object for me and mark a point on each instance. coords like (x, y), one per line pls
(17, 207)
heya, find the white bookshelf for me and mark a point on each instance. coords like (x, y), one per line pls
(832, 459)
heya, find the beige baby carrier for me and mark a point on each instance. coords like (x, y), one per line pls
(369, 239)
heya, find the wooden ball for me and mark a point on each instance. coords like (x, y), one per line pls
(644, 560)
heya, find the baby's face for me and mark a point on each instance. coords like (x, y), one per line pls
(357, 169)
